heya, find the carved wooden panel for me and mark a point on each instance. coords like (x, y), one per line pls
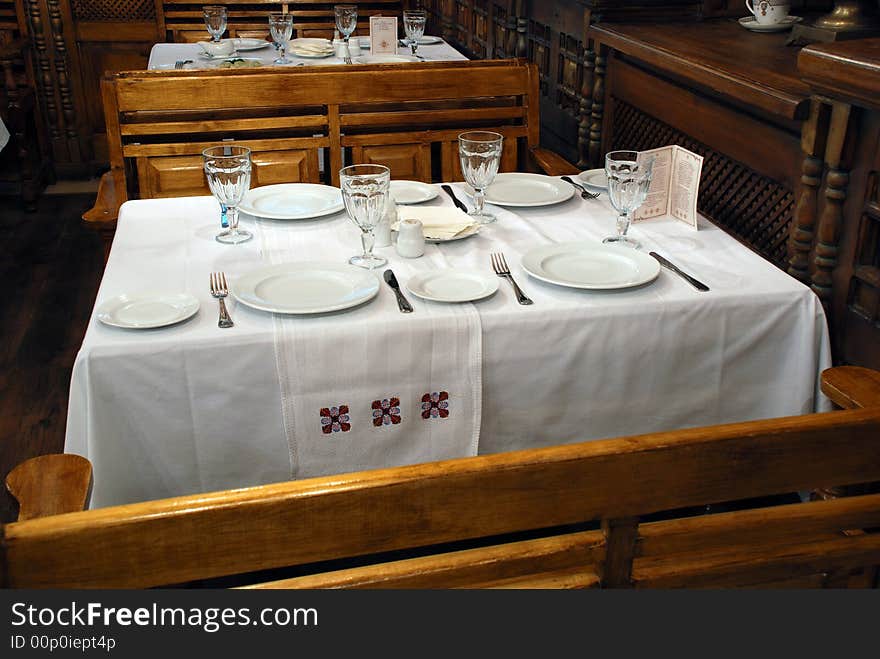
(406, 161)
(179, 176)
(752, 207)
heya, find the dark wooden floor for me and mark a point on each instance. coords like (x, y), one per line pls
(50, 267)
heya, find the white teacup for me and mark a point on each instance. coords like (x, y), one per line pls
(769, 12)
(223, 48)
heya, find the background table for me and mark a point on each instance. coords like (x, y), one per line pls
(194, 408)
(164, 55)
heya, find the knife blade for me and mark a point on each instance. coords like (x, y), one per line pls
(696, 283)
(402, 302)
(458, 202)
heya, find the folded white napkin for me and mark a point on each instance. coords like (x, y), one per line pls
(437, 223)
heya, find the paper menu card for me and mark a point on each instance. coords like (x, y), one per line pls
(675, 185)
(383, 35)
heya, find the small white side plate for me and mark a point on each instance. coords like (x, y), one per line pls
(452, 285)
(412, 192)
(249, 44)
(427, 40)
(519, 189)
(147, 310)
(594, 178)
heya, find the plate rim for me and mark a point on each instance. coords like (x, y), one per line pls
(434, 192)
(280, 267)
(655, 266)
(263, 43)
(279, 216)
(751, 23)
(193, 307)
(492, 281)
(406, 58)
(593, 185)
(434, 39)
(568, 194)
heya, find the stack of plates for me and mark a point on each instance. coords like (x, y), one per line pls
(310, 47)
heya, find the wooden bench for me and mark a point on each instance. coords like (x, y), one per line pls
(294, 119)
(595, 514)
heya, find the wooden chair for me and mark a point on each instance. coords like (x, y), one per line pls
(595, 514)
(303, 123)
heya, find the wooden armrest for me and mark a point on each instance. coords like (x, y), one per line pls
(552, 163)
(104, 213)
(50, 485)
(852, 387)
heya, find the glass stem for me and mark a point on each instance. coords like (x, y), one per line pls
(368, 239)
(622, 224)
(479, 200)
(347, 51)
(232, 214)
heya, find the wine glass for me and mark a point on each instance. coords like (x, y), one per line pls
(480, 154)
(346, 22)
(628, 183)
(215, 21)
(414, 26)
(365, 191)
(281, 29)
(228, 170)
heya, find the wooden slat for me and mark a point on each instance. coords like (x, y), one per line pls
(578, 552)
(778, 524)
(852, 387)
(724, 569)
(217, 126)
(324, 518)
(511, 132)
(189, 148)
(355, 119)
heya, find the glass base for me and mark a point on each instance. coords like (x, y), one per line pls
(368, 262)
(282, 60)
(233, 237)
(482, 218)
(623, 240)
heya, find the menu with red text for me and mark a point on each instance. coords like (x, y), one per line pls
(383, 35)
(675, 185)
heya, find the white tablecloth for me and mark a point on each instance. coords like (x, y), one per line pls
(4, 135)
(164, 55)
(193, 408)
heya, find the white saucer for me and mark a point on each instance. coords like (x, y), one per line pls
(450, 285)
(147, 310)
(751, 23)
(594, 178)
(412, 192)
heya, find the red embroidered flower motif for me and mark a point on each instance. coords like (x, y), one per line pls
(435, 405)
(386, 411)
(335, 419)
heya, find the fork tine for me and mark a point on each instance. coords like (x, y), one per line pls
(503, 262)
(494, 263)
(211, 281)
(223, 282)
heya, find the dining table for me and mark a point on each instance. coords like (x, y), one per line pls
(305, 386)
(193, 56)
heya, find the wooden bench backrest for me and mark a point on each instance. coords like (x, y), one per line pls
(542, 491)
(408, 117)
(311, 18)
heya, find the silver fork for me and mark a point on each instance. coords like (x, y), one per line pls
(220, 290)
(179, 64)
(499, 265)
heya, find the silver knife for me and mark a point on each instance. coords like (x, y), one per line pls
(458, 202)
(696, 283)
(402, 302)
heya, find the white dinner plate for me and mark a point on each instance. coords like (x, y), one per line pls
(292, 201)
(524, 190)
(385, 59)
(308, 54)
(427, 40)
(751, 23)
(450, 285)
(250, 44)
(147, 310)
(590, 265)
(305, 287)
(594, 178)
(412, 192)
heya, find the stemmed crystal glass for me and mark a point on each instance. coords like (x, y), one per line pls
(480, 154)
(228, 170)
(346, 22)
(628, 183)
(215, 21)
(414, 26)
(281, 29)
(365, 193)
